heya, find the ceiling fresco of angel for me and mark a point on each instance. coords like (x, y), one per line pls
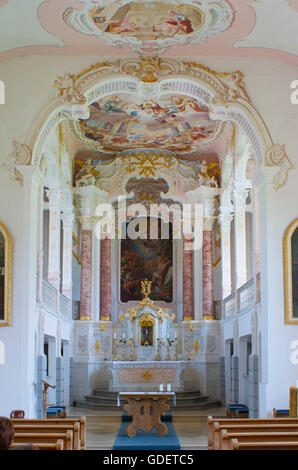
(177, 123)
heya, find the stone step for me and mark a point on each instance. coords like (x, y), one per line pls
(111, 407)
(179, 395)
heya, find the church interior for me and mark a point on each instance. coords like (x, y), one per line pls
(149, 224)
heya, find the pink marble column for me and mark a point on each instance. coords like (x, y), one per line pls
(86, 276)
(105, 280)
(187, 283)
(208, 298)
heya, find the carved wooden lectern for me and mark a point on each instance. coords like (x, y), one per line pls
(146, 409)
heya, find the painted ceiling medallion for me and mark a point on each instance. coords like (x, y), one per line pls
(177, 123)
(150, 26)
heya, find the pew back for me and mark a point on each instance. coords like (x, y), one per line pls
(227, 437)
(59, 445)
(54, 422)
(263, 445)
(50, 438)
(50, 429)
(212, 422)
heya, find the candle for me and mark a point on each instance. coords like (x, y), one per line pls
(175, 334)
(123, 336)
(161, 387)
(168, 387)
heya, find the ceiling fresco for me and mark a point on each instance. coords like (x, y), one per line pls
(151, 26)
(192, 28)
(176, 123)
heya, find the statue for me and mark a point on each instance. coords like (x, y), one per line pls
(86, 175)
(204, 179)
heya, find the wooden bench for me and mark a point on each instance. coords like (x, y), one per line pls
(49, 438)
(55, 422)
(263, 445)
(213, 423)
(43, 446)
(238, 429)
(249, 436)
(280, 413)
(49, 429)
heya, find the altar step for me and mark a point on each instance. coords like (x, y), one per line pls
(102, 399)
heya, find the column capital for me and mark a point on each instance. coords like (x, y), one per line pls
(265, 176)
(54, 196)
(208, 223)
(240, 196)
(225, 220)
(31, 174)
(86, 222)
(67, 219)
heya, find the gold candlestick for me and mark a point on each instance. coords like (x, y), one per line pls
(115, 349)
(131, 356)
(168, 357)
(123, 357)
(157, 357)
(176, 350)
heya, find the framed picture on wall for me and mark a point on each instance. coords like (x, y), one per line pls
(291, 273)
(5, 277)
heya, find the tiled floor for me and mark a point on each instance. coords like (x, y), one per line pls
(103, 426)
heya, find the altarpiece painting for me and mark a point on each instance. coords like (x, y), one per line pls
(147, 259)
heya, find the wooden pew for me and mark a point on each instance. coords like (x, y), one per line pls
(43, 446)
(250, 436)
(250, 428)
(280, 413)
(211, 422)
(263, 445)
(50, 438)
(49, 429)
(53, 422)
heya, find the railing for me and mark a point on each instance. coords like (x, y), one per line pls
(246, 295)
(75, 309)
(229, 305)
(49, 296)
(64, 306)
(243, 299)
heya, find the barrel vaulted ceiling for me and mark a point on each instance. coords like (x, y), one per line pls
(238, 28)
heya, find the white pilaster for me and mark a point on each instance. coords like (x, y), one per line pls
(67, 255)
(27, 292)
(270, 289)
(225, 229)
(240, 196)
(54, 238)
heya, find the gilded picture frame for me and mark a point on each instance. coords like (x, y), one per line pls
(291, 273)
(5, 276)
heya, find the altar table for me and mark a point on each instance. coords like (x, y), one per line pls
(146, 409)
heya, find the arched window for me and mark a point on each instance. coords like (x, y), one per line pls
(291, 272)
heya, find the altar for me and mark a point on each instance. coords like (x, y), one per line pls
(148, 376)
(146, 354)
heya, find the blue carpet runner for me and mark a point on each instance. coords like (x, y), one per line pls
(147, 440)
